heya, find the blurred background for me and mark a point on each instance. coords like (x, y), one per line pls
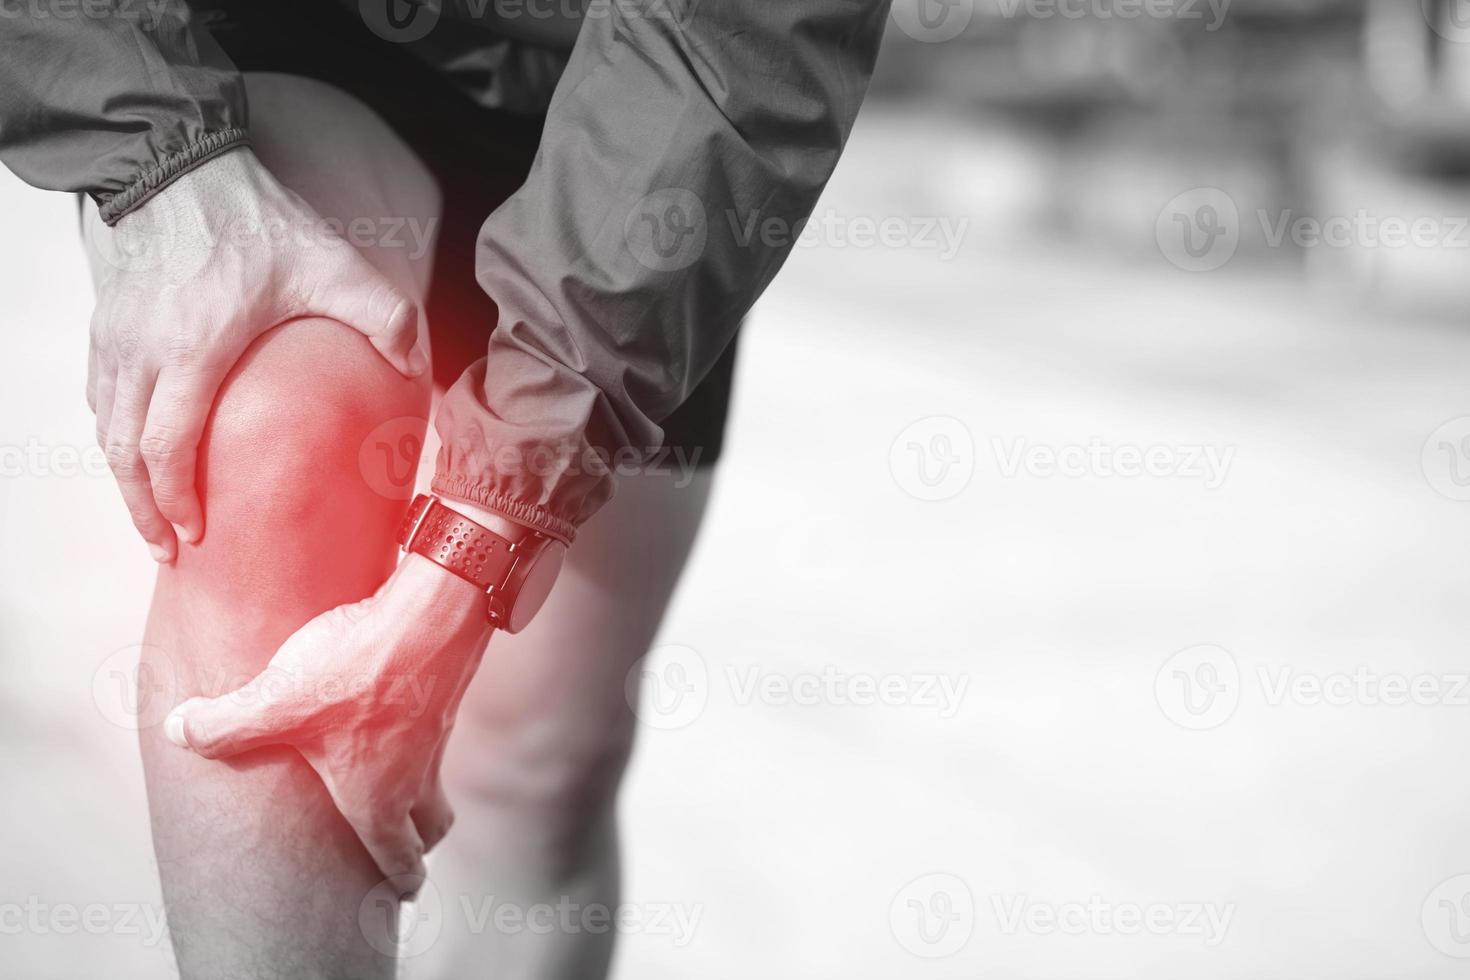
(1119, 627)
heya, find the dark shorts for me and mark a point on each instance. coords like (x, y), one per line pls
(478, 156)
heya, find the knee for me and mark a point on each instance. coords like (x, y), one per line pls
(295, 515)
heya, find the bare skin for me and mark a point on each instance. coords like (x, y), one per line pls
(543, 736)
(262, 877)
(261, 874)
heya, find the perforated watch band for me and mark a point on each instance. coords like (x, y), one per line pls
(517, 576)
(445, 537)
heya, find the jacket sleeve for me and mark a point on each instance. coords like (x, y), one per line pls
(114, 98)
(685, 145)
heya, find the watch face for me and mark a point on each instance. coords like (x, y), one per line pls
(536, 586)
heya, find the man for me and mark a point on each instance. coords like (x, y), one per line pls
(245, 358)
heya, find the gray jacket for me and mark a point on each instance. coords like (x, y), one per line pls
(677, 131)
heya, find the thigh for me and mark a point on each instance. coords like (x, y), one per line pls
(349, 165)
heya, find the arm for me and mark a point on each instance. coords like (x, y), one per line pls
(115, 106)
(746, 106)
(698, 117)
(205, 251)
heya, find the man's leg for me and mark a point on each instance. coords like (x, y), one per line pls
(540, 745)
(261, 876)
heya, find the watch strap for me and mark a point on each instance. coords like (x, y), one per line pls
(448, 538)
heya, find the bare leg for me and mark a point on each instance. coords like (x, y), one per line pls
(540, 746)
(261, 876)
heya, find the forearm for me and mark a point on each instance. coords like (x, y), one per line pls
(622, 268)
(116, 106)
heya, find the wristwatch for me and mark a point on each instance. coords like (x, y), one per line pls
(516, 575)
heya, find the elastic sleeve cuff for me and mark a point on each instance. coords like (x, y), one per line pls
(168, 170)
(530, 515)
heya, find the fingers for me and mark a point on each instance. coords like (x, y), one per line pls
(378, 812)
(392, 841)
(92, 378)
(217, 728)
(104, 395)
(356, 294)
(432, 815)
(121, 438)
(99, 374)
(170, 443)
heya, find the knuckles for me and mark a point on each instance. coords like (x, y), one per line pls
(160, 450)
(125, 461)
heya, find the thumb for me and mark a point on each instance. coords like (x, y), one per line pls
(356, 294)
(216, 728)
